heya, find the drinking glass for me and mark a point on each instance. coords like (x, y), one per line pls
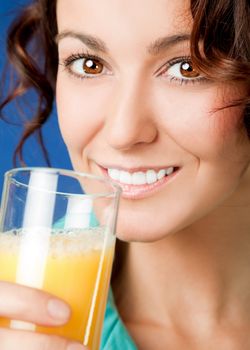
(58, 235)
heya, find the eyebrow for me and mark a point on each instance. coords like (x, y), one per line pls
(167, 42)
(97, 44)
(91, 41)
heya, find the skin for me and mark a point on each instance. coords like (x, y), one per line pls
(31, 305)
(113, 107)
(129, 117)
(194, 229)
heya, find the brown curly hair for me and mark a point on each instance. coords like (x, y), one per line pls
(220, 48)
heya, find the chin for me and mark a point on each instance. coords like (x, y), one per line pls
(130, 231)
(144, 226)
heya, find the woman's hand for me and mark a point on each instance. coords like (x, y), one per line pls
(31, 305)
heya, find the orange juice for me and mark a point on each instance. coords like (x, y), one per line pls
(77, 269)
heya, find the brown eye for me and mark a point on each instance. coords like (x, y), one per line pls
(92, 66)
(180, 70)
(187, 70)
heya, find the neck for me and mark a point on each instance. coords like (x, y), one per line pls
(201, 272)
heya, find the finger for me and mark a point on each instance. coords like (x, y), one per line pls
(11, 340)
(28, 304)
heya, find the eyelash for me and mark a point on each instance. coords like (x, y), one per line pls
(85, 55)
(180, 81)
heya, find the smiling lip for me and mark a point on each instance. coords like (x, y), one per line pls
(130, 191)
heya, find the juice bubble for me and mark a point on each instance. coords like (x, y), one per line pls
(62, 242)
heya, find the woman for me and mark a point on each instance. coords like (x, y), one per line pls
(155, 95)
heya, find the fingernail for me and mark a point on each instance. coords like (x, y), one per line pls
(58, 309)
(75, 346)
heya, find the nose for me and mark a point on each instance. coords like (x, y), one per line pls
(129, 120)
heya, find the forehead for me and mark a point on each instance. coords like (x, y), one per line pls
(138, 21)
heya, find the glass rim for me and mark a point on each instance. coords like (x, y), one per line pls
(66, 172)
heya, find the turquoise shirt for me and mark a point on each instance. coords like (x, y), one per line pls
(114, 334)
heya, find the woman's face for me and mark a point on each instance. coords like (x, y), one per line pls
(132, 108)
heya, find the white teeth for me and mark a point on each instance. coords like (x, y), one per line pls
(161, 174)
(125, 177)
(139, 177)
(170, 170)
(151, 176)
(114, 174)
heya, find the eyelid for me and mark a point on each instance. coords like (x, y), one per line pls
(200, 79)
(83, 55)
(172, 62)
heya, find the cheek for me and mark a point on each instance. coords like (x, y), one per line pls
(198, 124)
(80, 107)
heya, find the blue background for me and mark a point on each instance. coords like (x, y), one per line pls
(10, 133)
